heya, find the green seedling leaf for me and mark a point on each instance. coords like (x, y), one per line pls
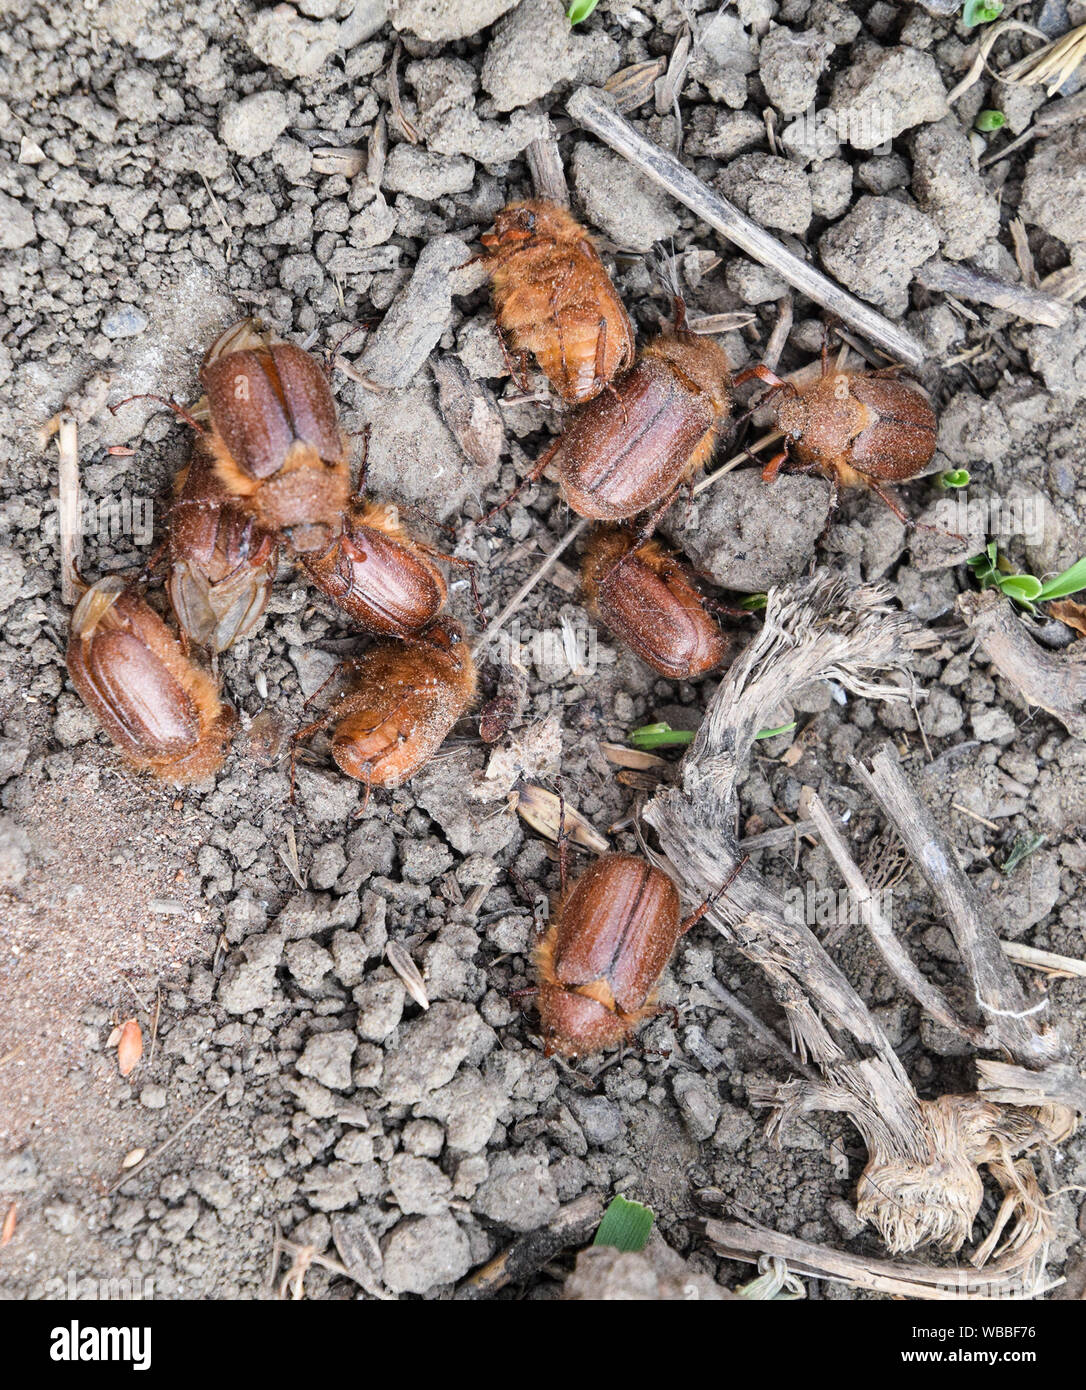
(651, 736)
(755, 603)
(581, 9)
(626, 1225)
(984, 566)
(1069, 582)
(954, 477)
(772, 733)
(1023, 588)
(981, 12)
(990, 120)
(1022, 848)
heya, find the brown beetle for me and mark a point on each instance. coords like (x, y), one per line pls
(648, 600)
(380, 575)
(162, 712)
(554, 298)
(222, 564)
(275, 437)
(858, 429)
(403, 700)
(630, 449)
(601, 957)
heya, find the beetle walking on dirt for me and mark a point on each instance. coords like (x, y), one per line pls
(554, 299)
(858, 429)
(162, 711)
(632, 448)
(275, 437)
(403, 700)
(379, 574)
(602, 956)
(648, 600)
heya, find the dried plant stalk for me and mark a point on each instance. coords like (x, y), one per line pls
(747, 1241)
(966, 283)
(1014, 1022)
(545, 167)
(1053, 64)
(595, 111)
(1057, 683)
(71, 535)
(893, 953)
(921, 1185)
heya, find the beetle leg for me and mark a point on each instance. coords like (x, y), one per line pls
(774, 466)
(601, 358)
(835, 498)
(613, 389)
(530, 477)
(519, 376)
(699, 913)
(145, 573)
(563, 843)
(361, 810)
(327, 681)
(360, 486)
(473, 579)
(726, 610)
(557, 288)
(887, 497)
(166, 401)
(880, 491)
(647, 529)
(330, 354)
(760, 373)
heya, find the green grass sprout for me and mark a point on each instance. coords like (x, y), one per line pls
(581, 9)
(651, 736)
(992, 571)
(626, 1225)
(1022, 848)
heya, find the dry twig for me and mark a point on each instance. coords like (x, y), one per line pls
(71, 532)
(1012, 1021)
(878, 925)
(518, 1262)
(1054, 681)
(594, 110)
(747, 1241)
(545, 168)
(966, 283)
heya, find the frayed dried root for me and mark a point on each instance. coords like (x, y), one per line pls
(923, 1184)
